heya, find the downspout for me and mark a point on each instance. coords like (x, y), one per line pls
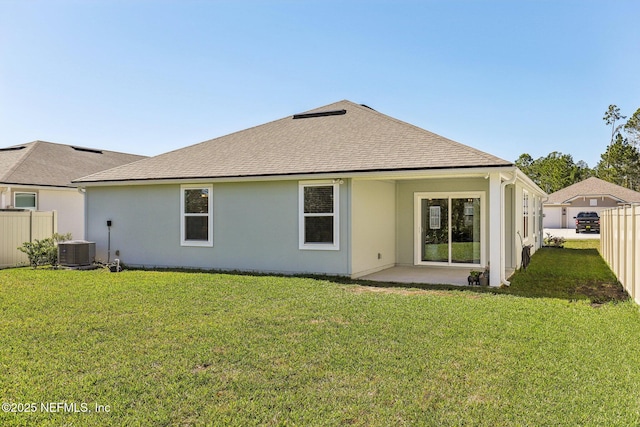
(503, 186)
(3, 199)
(83, 191)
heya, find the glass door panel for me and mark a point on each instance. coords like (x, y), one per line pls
(435, 230)
(465, 230)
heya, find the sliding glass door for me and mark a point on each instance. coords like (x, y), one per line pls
(435, 230)
(449, 228)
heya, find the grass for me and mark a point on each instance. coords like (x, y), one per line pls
(176, 348)
(575, 272)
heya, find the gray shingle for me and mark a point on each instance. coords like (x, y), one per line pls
(49, 164)
(362, 139)
(593, 187)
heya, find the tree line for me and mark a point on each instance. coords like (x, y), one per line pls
(619, 164)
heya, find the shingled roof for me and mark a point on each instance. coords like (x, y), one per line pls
(55, 165)
(593, 187)
(341, 137)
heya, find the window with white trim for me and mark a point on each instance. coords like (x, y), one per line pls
(318, 215)
(25, 201)
(196, 215)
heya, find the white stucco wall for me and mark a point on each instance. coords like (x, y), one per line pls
(68, 203)
(70, 207)
(255, 228)
(373, 230)
(534, 236)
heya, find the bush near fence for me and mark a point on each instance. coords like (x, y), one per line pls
(17, 227)
(620, 245)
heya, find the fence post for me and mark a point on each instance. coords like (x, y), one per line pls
(635, 275)
(634, 250)
(31, 219)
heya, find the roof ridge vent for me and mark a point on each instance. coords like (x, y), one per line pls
(88, 150)
(19, 147)
(320, 114)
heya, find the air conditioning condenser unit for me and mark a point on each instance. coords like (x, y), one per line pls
(76, 253)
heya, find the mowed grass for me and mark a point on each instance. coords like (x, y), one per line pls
(182, 349)
(576, 271)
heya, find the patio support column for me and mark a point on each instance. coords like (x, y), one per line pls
(495, 231)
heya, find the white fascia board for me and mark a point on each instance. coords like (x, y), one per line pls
(529, 184)
(594, 196)
(19, 187)
(377, 175)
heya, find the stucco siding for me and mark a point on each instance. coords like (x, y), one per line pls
(70, 207)
(373, 226)
(255, 228)
(405, 208)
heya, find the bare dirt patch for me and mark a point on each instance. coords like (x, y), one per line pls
(359, 289)
(603, 292)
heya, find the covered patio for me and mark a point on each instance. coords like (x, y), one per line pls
(433, 275)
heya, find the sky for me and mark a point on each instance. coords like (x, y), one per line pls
(147, 77)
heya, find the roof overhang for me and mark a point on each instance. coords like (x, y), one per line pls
(404, 174)
(595, 196)
(506, 172)
(70, 187)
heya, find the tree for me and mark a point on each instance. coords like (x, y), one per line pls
(611, 116)
(619, 164)
(553, 172)
(632, 128)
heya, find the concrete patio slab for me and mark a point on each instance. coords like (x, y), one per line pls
(420, 274)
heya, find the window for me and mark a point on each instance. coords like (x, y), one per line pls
(435, 221)
(318, 215)
(196, 218)
(25, 201)
(525, 213)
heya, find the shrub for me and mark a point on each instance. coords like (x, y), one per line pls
(45, 251)
(553, 241)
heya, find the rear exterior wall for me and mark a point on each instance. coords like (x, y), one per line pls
(255, 228)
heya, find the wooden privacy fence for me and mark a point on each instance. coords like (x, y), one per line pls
(17, 227)
(620, 245)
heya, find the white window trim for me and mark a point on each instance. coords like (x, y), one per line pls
(35, 208)
(200, 243)
(336, 216)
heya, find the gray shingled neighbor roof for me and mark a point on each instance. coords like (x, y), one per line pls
(593, 187)
(55, 165)
(340, 137)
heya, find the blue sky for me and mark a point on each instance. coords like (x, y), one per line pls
(148, 77)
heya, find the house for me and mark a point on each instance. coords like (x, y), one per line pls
(592, 195)
(341, 190)
(38, 175)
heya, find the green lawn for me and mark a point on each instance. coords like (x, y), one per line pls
(575, 272)
(167, 348)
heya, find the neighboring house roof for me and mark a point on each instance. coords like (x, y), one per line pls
(337, 138)
(48, 164)
(593, 187)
